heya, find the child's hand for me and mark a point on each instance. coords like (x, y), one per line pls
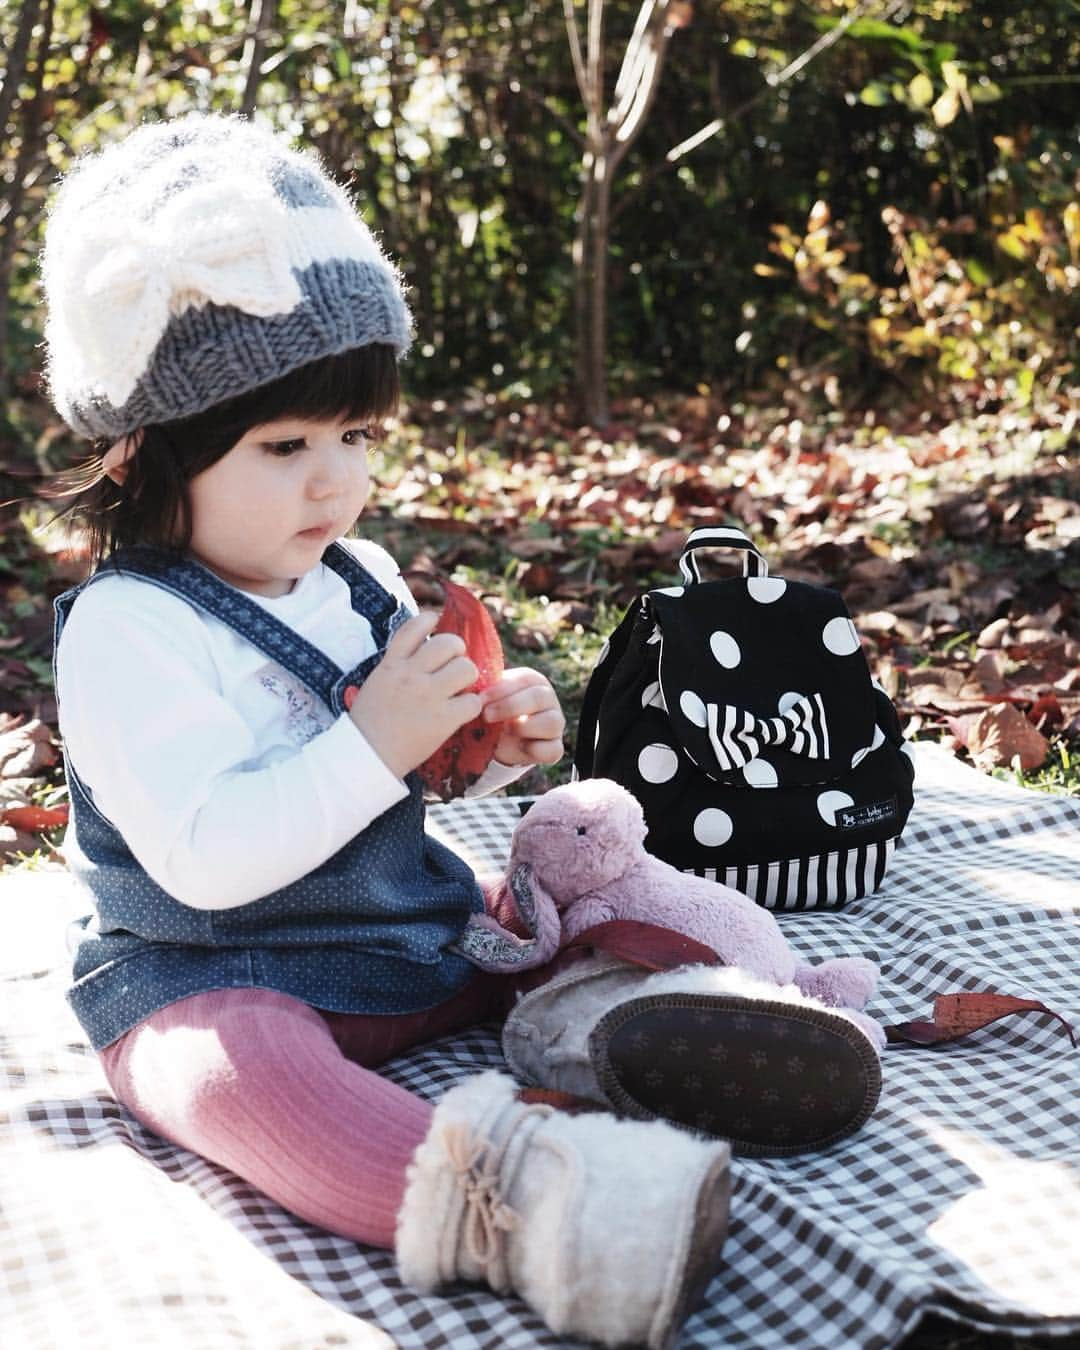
(525, 702)
(416, 696)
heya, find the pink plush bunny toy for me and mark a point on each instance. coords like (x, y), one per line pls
(577, 860)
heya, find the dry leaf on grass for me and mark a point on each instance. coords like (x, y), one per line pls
(14, 841)
(25, 748)
(990, 671)
(999, 735)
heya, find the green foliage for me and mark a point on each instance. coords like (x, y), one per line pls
(976, 316)
(459, 126)
(1060, 774)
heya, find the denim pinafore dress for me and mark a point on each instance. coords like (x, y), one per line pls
(369, 931)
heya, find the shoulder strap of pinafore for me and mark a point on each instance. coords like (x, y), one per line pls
(208, 593)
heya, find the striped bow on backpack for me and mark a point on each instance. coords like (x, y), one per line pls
(738, 737)
(742, 715)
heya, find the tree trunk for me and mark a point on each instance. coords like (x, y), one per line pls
(595, 390)
(424, 291)
(262, 22)
(16, 62)
(28, 146)
(581, 256)
(609, 135)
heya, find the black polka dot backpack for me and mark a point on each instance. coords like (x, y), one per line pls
(742, 715)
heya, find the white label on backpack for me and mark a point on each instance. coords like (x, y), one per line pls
(856, 817)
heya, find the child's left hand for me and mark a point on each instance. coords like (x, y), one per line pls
(524, 701)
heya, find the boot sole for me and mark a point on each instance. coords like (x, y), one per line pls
(771, 1078)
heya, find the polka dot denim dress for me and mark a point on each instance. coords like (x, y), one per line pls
(367, 932)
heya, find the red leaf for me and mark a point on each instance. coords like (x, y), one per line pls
(1046, 708)
(957, 1015)
(34, 817)
(460, 761)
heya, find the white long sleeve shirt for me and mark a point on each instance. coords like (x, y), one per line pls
(225, 775)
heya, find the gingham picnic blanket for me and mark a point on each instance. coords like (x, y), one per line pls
(961, 1196)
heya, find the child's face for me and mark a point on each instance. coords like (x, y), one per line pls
(263, 514)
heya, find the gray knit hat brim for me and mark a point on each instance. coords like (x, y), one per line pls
(196, 261)
(214, 353)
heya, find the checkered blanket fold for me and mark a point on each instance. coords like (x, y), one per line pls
(961, 1196)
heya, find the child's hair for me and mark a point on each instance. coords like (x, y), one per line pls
(202, 278)
(152, 505)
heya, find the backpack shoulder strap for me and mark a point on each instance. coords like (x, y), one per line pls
(614, 650)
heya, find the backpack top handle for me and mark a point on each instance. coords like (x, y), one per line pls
(721, 536)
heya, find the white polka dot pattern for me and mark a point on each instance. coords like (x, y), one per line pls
(726, 650)
(652, 696)
(693, 708)
(712, 827)
(840, 637)
(753, 739)
(830, 802)
(766, 590)
(760, 773)
(658, 763)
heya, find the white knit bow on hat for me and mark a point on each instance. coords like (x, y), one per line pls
(217, 243)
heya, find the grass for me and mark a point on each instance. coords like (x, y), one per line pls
(1060, 773)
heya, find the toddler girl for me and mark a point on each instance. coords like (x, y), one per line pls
(270, 921)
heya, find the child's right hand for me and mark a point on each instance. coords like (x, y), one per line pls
(417, 696)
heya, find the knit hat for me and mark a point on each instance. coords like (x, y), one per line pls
(195, 260)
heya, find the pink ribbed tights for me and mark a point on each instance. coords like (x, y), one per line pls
(285, 1096)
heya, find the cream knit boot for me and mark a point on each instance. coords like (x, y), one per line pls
(768, 1068)
(610, 1230)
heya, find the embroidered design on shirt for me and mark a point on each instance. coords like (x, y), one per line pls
(304, 717)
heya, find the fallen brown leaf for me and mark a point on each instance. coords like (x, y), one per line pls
(1002, 734)
(993, 635)
(914, 604)
(25, 749)
(13, 841)
(990, 671)
(538, 578)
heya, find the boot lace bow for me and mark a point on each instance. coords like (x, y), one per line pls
(488, 1218)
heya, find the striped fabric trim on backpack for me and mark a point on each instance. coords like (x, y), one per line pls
(825, 881)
